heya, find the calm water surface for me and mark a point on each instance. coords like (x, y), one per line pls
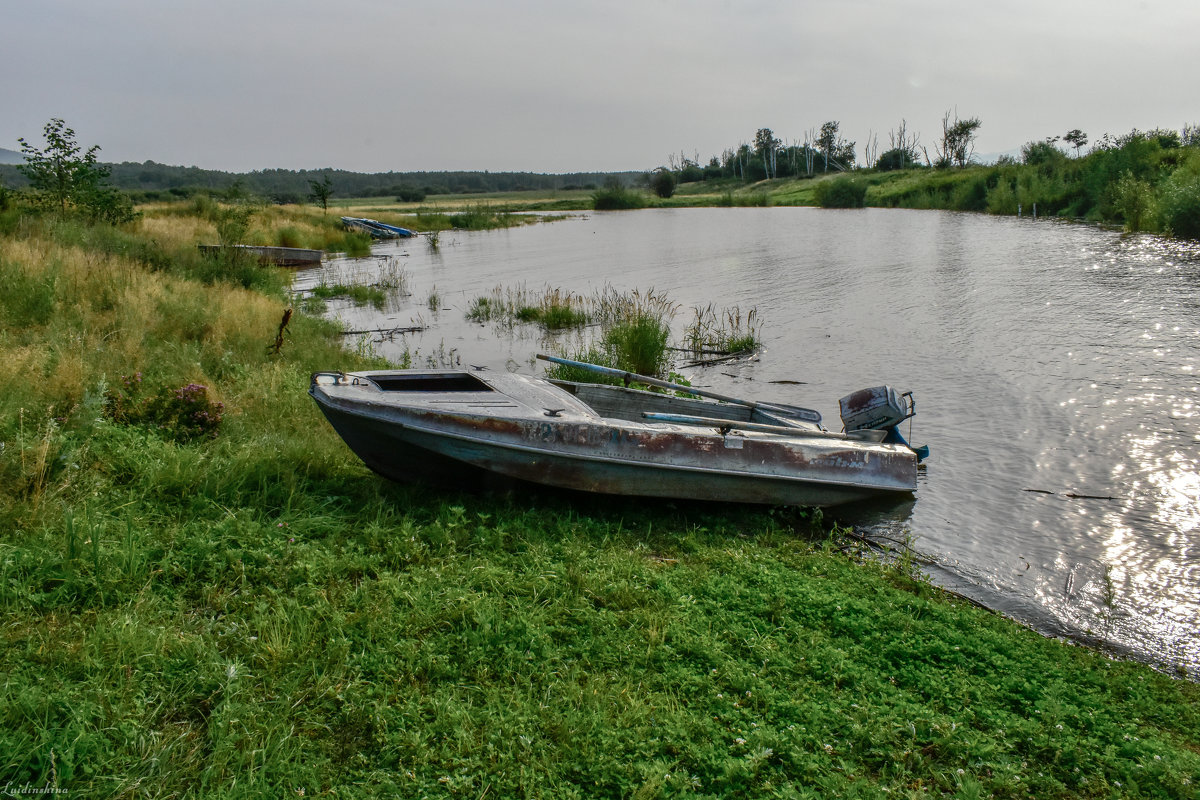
(1054, 368)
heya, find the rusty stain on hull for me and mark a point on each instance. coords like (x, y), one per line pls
(530, 429)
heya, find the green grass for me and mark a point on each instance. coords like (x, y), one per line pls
(480, 215)
(359, 294)
(553, 309)
(256, 614)
(728, 332)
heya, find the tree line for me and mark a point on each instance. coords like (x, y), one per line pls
(1143, 181)
(150, 180)
(821, 150)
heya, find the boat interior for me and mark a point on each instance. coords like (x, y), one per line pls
(429, 382)
(618, 402)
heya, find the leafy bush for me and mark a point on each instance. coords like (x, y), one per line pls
(970, 195)
(1180, 202)
(844, 192)
(183, 415)
(291, 236)
(663, 183)
(1002, 199)
(1134, 200)
(1042, 153)
(615, 197)
(896, 158)
(106, 204)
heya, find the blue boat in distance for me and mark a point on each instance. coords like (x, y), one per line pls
(377, 229)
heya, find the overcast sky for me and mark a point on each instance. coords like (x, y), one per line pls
(576, 85)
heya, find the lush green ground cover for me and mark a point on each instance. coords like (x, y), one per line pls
(230, 604)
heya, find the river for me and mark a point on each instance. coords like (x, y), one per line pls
(1054, 367)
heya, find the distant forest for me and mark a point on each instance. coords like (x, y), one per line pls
(150, 180)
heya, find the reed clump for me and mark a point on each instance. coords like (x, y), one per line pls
(553, 309)
(722, 333)
(635, 328)
(377, 285)
(472, 217)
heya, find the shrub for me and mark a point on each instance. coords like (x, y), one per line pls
(1133, 198)
(896, 158)
(844, 192)
(1042, 153)
(663, 183)
(729, 199)
(290, 236)
(1180, 203)
(970, 196)
(183, 415)
(615, 197)
(1002, 199)
(754, 199)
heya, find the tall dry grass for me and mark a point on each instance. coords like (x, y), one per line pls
(102, 316)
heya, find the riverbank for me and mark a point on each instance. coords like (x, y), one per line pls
(188, 603)
(1143, 182)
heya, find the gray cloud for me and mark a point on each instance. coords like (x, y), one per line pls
(557, 86)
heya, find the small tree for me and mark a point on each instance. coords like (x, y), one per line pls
(1134, 199)
(871, 149)
(1077, 138)
(62, 171)
(834, 148)
(827, 141)
(1043, 152)
(663, 182)
(767, 147)
(320, 192)
(958, 140)
(902, 153)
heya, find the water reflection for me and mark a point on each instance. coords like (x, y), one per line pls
(1053, 366)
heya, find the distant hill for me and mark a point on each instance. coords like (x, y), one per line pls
(11, 157)
(149, 179)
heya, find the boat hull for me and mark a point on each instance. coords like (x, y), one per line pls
(280, 256)
(609, 456)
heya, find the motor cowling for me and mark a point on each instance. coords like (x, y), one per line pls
(878, 408)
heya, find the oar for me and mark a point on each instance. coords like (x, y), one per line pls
(806, 414)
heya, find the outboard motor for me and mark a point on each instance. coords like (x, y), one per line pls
(880, 408)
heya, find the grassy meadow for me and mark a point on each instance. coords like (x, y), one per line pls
(204, 593)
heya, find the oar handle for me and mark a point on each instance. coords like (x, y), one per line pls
(806, 414)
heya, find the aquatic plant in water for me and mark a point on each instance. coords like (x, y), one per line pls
(728, 332)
